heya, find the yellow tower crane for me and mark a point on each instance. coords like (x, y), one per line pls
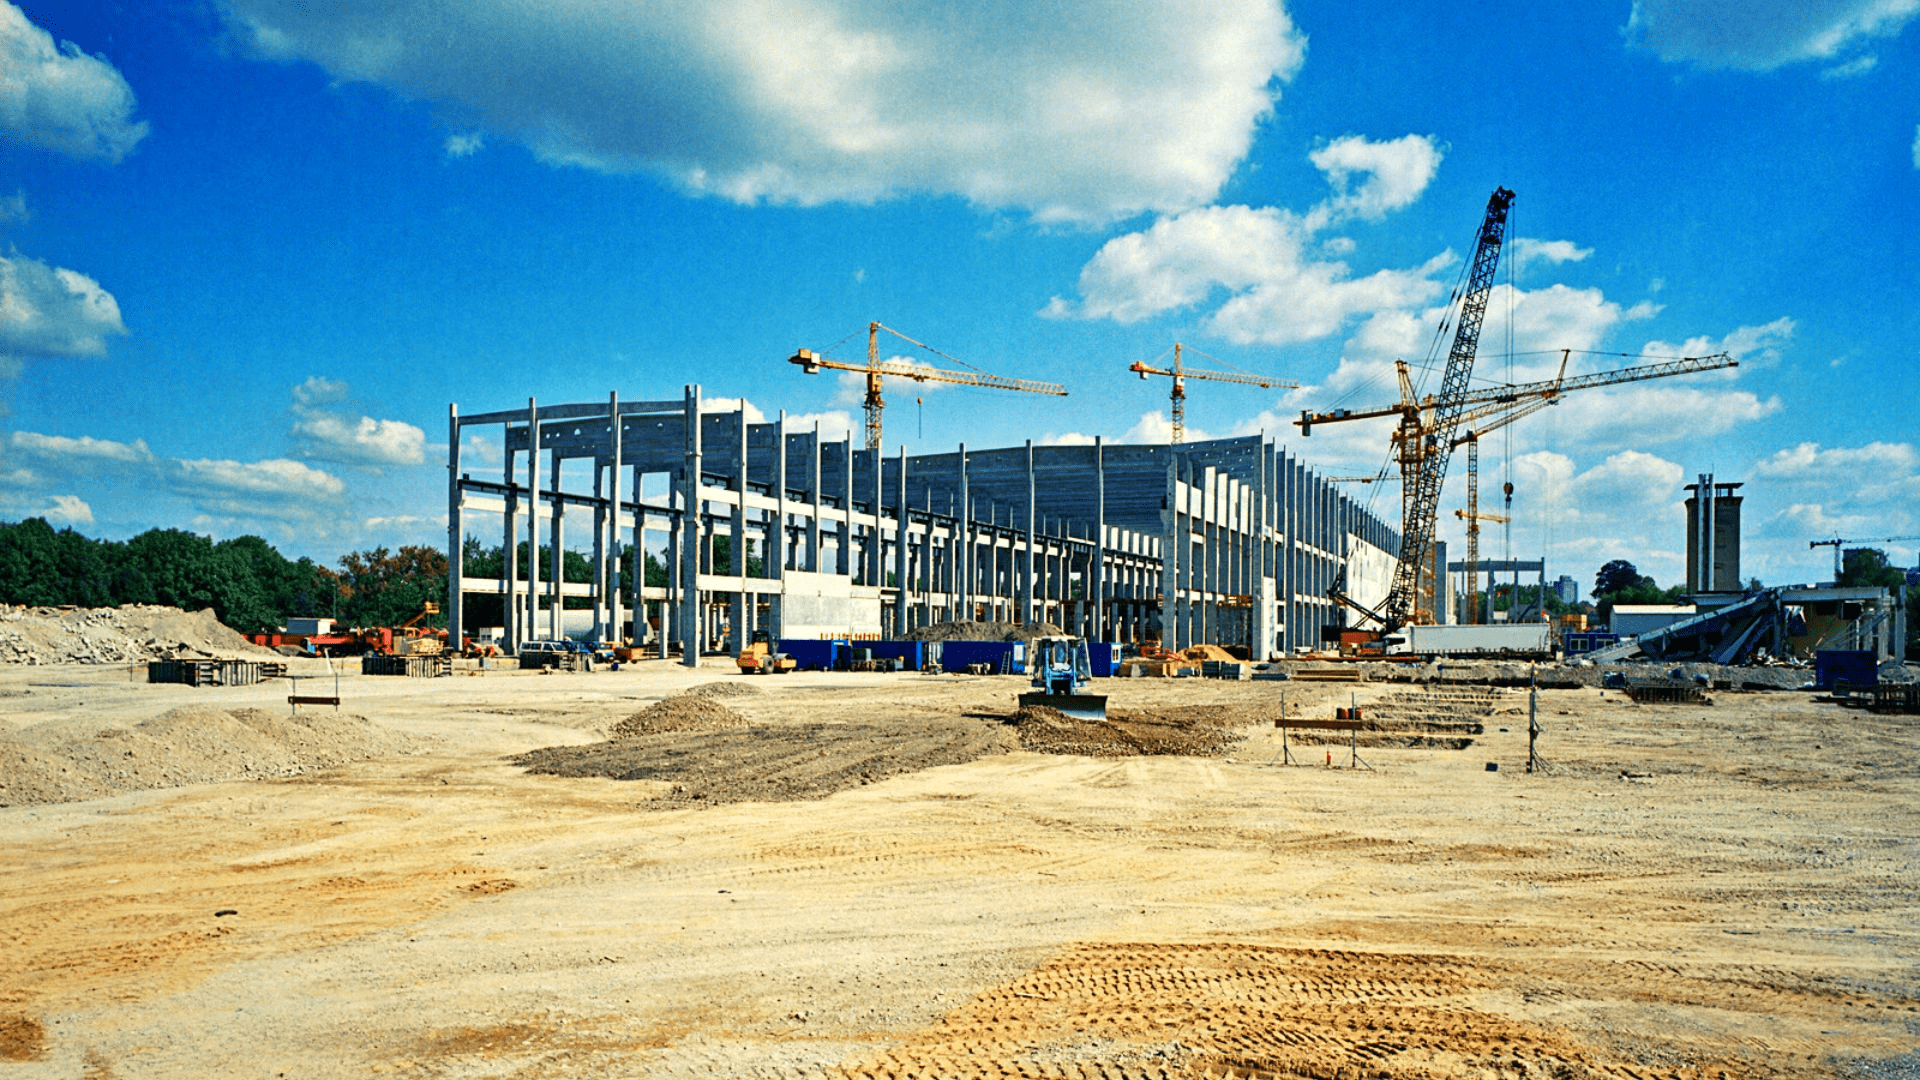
(811, 362)
(1179, 373)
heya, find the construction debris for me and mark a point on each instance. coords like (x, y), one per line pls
(132, 634)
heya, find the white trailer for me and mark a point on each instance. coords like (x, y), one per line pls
(1514, 640)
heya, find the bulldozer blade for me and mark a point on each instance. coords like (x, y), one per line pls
(1078, 706)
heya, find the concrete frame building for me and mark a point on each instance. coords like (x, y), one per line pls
(1230, 541)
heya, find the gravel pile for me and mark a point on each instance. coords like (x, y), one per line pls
(682, 712)
(123, 635)
(721, 690)
(185, 746)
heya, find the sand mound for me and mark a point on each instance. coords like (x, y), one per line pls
(121, 635)
(186, 746)
(1192, 731)
(683, 712)
(720, 690)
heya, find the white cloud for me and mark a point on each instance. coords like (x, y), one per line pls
(78, 453)
(69, 510)
(1879, 472)
(466, 144)
(50, 311)
(1277, 294)
(1281, 282)
(1916, 146)
(834, 424)
(59, 98)
(733, 405)
(1754, 346)
(1071, 438)
(1859, 65)
(276, 489)
(1526, 250)
(14, 207)
(325, 432)
(1763, 35)
(1394, 174)
(1063, 109)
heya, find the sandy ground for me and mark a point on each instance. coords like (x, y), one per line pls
(1727, 889)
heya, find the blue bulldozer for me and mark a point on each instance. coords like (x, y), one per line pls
(1061, 670)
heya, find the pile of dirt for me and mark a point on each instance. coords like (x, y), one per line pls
(983, 631)
(185, 746)
(131, 634)
(774, 763)
(721, 690)
(1189, 731)
(682, 712)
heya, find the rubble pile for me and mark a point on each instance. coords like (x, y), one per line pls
(124, 635)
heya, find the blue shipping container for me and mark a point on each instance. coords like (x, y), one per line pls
(813, 655)
(1007, 657)
(912, 654)
(1855, 667)
(1103, 657)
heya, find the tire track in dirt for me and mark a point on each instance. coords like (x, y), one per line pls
(1244, 1011)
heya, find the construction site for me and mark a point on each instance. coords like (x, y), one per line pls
(1122, 760)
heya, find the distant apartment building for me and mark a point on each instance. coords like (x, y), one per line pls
(1567, 589)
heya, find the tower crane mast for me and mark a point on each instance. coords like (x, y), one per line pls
(1177, 410)
(812, 362)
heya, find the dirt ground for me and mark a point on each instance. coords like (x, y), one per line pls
(867, 876)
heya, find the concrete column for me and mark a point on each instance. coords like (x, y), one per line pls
(876, 562)
(843, 559)
(739, 631)
(1097, 562)
(901, 546)
(556, 554)
(777, 536)
(510, 569)
(533, 520)
(1170, 559)
(611, 576)
(814, 562)
(638, 566)
(692, 610)
(456, 534)
(599, 551)
(1023, 589)
(964, 566)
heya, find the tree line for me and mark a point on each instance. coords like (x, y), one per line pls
(252, 587)
(249, 585)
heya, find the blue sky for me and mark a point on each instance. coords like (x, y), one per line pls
(254, 248)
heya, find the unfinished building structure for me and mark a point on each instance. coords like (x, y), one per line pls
(1231, 541)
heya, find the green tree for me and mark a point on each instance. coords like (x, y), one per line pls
(386, 588)
(30, 564)
(1869, 568)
